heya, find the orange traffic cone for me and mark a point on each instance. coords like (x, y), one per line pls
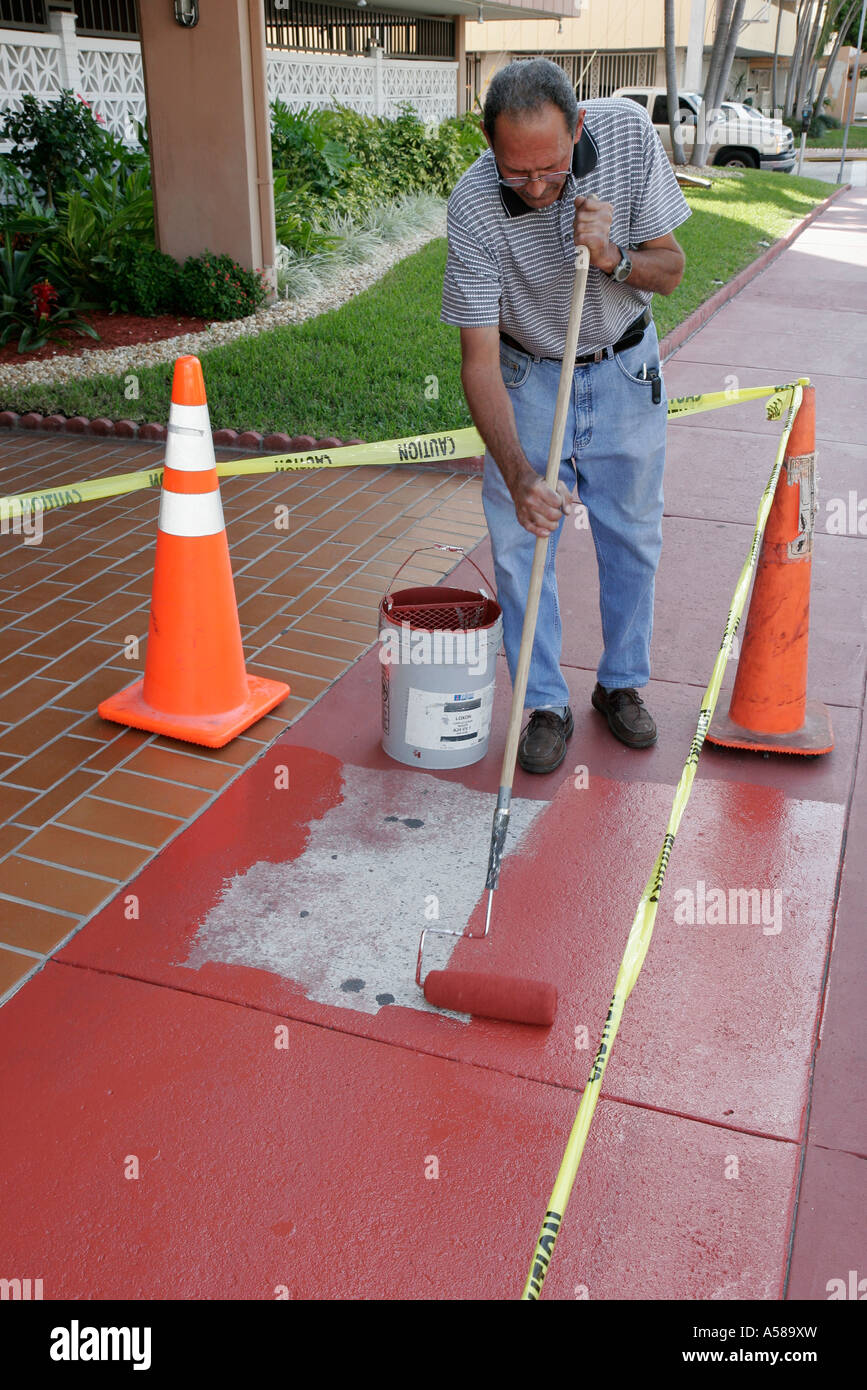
(769, 709)
(195, 685)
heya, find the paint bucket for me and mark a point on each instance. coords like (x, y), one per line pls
(438, 657)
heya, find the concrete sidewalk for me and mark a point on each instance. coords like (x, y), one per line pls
(226, 1083)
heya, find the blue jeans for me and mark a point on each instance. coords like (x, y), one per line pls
(614, 450)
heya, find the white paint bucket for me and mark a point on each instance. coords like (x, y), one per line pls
(438, 656)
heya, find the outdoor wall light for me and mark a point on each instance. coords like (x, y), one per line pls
(187, 12)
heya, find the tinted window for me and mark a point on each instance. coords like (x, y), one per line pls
(640, 97)
(660, 111)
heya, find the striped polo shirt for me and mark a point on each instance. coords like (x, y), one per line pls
(512, 265)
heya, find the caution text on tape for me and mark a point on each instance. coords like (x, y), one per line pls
(441, 447)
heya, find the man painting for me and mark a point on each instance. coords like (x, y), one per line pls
(556, 176)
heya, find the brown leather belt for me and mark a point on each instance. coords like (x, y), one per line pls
(632, 336)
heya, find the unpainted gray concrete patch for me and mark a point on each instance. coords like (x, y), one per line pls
(343, 920)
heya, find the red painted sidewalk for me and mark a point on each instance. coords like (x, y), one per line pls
(227, 1084)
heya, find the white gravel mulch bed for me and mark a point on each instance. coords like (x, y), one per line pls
(344, 284)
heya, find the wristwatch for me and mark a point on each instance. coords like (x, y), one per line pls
(623, 269)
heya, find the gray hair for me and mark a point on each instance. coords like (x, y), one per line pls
(527, 85)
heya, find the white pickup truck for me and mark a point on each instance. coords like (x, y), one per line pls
(739, 135)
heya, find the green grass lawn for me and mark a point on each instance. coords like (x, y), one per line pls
(833, 139)
(366, 369)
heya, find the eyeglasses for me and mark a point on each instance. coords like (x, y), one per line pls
(542, 178)
(545, 178)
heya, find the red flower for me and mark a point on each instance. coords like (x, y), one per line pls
(45, 297)
(89, 107)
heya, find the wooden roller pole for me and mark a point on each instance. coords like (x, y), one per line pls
(528, 632)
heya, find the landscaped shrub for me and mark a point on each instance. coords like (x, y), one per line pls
(23, 215)
(358, 162)
(302, 147)
(90, 226)
(75, 192)
(454, 145)
(402, 153)
(54, 140)
(298, 226)
(145, 281)
(821, 122)
(352, 240)
(216, 287)
(31, 309)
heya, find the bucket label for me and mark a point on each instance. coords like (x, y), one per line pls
(438, 719)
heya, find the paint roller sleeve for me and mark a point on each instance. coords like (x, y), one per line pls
(490, 996)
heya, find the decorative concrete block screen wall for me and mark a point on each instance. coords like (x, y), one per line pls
(376, 86)
(108, 74)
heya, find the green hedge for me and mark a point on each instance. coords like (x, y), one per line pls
(341, 160)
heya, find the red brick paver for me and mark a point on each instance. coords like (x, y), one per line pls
(84, 803)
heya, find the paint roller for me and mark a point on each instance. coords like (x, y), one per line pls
(475, 992)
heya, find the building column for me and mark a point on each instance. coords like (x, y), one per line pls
(209, 128)
(62, 23)
(378, 56)
(461, 60)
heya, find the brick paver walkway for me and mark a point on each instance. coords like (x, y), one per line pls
(84, 803)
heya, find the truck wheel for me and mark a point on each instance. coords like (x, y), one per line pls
(737, 159)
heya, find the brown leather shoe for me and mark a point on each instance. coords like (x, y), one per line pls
(628, 719)
(543, 743)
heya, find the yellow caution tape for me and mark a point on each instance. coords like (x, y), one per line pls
(448, 444)
(419, 448)
(713, 400)
(645, 916)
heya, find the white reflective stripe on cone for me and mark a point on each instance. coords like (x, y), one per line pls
(191, 513)
(189, 444)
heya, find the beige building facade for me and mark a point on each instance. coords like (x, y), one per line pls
(614, 43)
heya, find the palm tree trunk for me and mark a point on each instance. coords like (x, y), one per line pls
(729, 54)
(795, 60)
(723, 24)
(712, 90)
(808, 66)
(776, 55)
(674, 126)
